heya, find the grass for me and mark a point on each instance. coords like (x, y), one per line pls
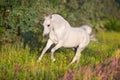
(17, 63)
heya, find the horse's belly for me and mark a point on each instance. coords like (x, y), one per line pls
(69, 45)
(72, 42)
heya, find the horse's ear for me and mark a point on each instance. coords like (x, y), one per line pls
(50, 15)
(45, 15)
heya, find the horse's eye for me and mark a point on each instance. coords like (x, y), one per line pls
(48, 25)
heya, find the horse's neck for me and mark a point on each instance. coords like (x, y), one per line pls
(61, 26)
(60, 20)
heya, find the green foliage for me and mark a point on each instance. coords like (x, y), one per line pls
(25, 18)
(17, 3)
(1, 29)
(112, 24)
(55, 2)
(18, 14)
(97, 10)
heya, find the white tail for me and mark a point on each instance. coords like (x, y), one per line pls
(88, 29)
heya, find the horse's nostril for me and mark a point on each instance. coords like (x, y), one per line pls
(44, 36)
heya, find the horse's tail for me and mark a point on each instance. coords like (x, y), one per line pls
(93, 38)
(88, 29)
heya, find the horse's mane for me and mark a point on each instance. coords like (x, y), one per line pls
(60, 19)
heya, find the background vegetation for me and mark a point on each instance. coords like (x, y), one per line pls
(21, 40)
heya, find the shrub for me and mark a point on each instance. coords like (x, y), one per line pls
(112, 24)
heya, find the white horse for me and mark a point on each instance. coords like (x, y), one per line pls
(63, 35)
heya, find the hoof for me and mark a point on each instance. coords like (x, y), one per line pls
(53, 60)
(39, 60)
(70, 64)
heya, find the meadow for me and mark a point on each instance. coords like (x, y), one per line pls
(99, 61)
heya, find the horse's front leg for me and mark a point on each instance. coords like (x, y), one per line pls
(53, 50)
(49, 43)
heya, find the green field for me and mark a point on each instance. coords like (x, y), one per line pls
(100, 60)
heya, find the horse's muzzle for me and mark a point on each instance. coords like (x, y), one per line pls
(44, 36)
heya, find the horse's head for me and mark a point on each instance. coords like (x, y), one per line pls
(54, 22)
(47, 25)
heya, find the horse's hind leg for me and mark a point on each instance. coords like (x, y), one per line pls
(74, 49)
(77, 55)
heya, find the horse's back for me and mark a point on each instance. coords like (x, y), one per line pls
(75, 37)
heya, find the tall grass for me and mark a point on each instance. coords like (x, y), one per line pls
(17, 63)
